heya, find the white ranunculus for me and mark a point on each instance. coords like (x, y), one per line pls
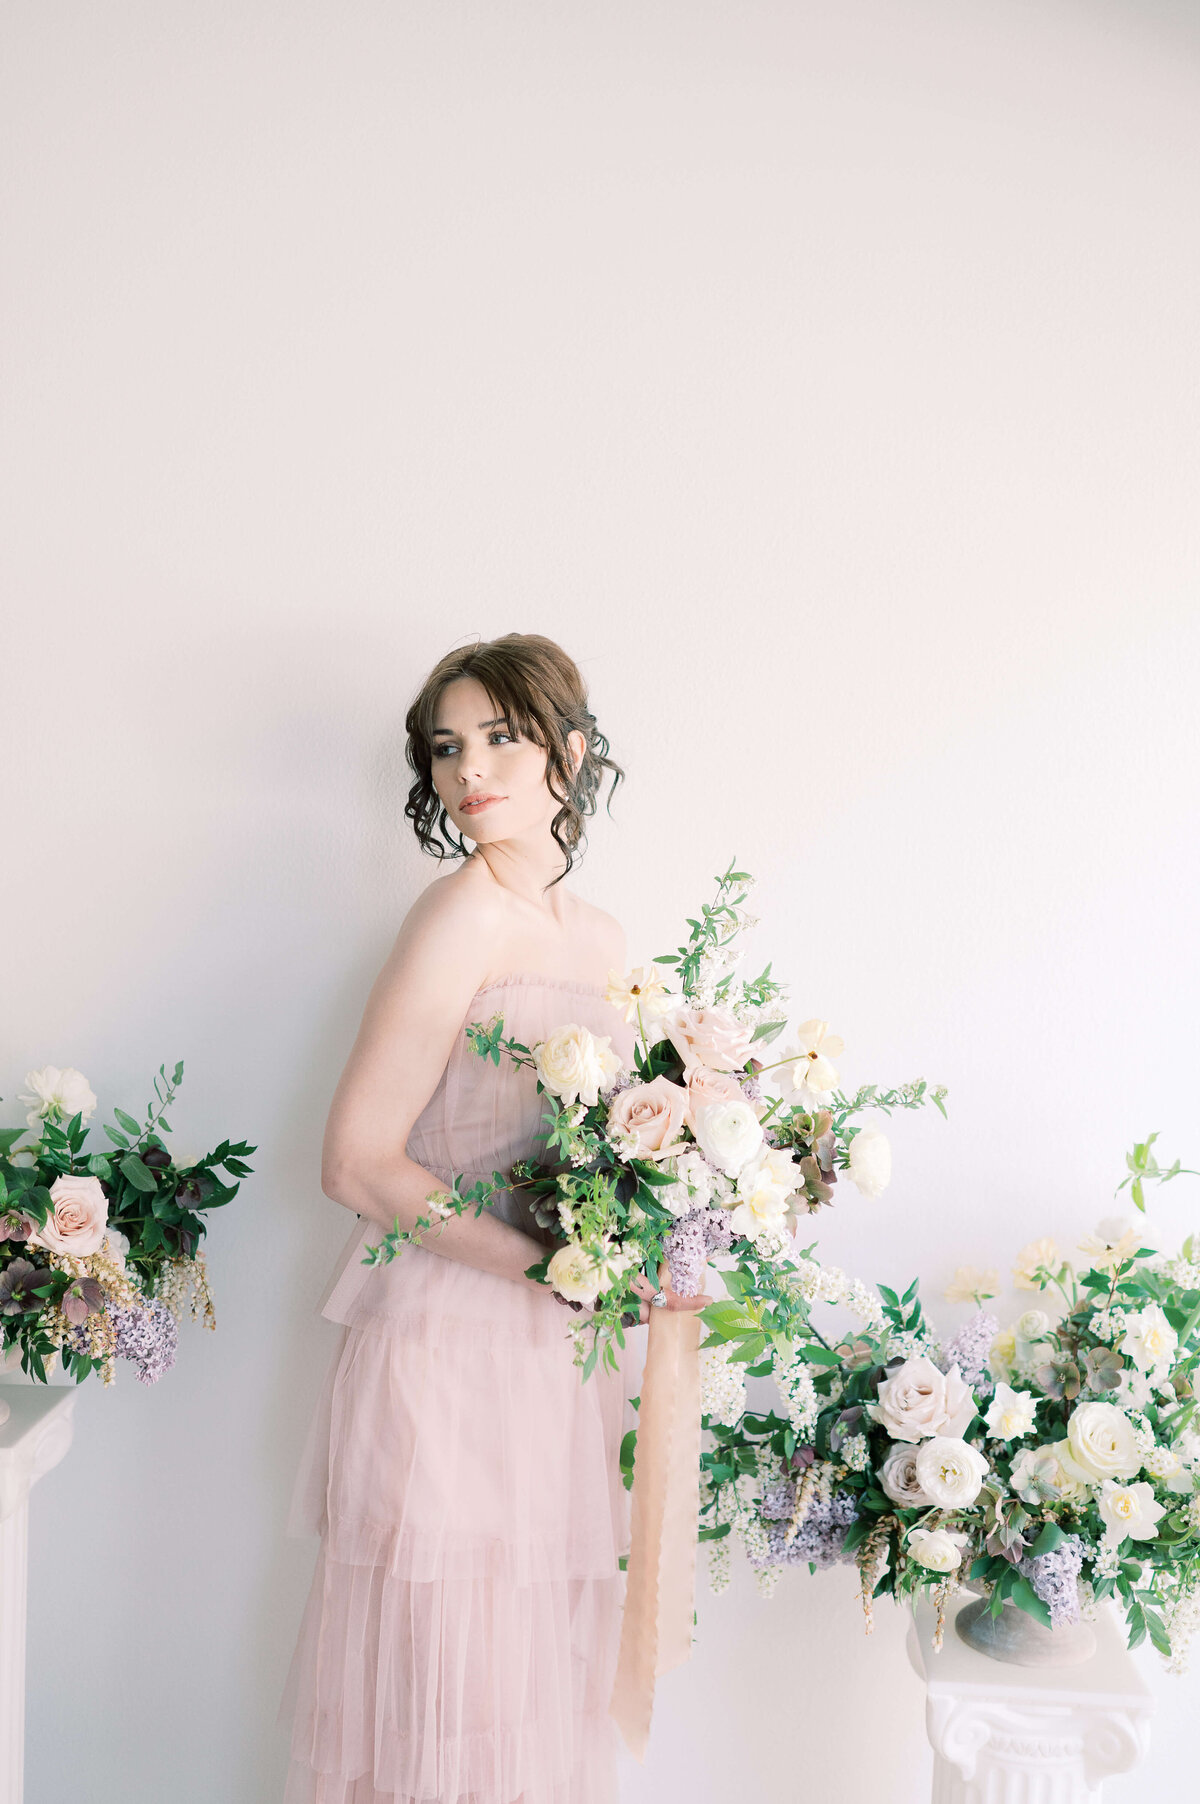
(729, 1134)
(933, 1548)
(1149, 1337)
(870, 1162)
(1033, 1325)
(57, 1095)
(898, 1477)
(1010, 1413)
(1129, 1510)
(1102, 1442)
(950, 1471)
(574, 1064)
(575, 1274)
(918, 1400)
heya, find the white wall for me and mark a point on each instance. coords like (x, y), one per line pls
(824, 378)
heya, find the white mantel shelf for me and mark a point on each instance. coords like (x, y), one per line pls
(34, 1438)
(1005, 1734)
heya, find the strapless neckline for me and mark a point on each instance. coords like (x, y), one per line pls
(549, 983)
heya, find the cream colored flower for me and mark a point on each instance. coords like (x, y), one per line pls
(575, 1064)
(763, 1188)
(1002, 1354)
(950, 1471)
(1149, 1337)
(708, 1036)
(57, 1095)
(575, 1274)
(1010, 1414)
(870, 1162)
(971, 1284)
(642, 988)
(810, 1074)
(1102, 1443)
(1129, 1510)
(1037, 1253)
(652, 1114)
(1105, 1253)
(933, 1548)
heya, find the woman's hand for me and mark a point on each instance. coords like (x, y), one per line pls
(645, 1290)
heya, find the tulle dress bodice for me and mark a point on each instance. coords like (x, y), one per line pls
(479, 1119)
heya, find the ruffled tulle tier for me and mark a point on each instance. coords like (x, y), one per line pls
(453, 1691)
(460, 1638)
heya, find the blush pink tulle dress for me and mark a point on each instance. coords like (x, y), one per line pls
(459, 1641)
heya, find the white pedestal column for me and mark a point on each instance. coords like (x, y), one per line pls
(34, 1438)
(1028, 1735)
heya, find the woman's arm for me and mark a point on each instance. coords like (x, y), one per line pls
(413, 1017)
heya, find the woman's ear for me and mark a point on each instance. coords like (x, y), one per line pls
(578, 747)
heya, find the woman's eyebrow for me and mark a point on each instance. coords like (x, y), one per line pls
(499, 721)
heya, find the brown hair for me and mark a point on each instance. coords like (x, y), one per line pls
(538, 689)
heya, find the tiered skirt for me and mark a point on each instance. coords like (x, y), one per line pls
(459, 1640)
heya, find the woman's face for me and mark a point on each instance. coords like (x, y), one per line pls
(476, 754)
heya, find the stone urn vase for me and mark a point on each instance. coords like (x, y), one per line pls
(1014, 1636)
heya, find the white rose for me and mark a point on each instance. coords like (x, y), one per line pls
(575, 1274)
(57, 1095)
(1010, 1413)
(729, 1134)
(574, 1064)
(950, 1472)
(933, 1548)
(898, 1477)
(79, 1218)
(870, 1162)
(919, 1400)
(1033, 1325)
(1102, 1442)
(1129, 1510)
(1149, 1337)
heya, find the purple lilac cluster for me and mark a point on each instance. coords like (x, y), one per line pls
(820, 1536)
(1055, 1578)
(970, 1347)
(691, 1240)
(146, 1333)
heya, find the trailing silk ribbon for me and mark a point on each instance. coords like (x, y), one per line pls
(656, 1629)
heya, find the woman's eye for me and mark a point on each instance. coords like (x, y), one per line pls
(442, 748)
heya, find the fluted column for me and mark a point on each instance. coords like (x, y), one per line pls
(33, 1438)
(1004, 1734)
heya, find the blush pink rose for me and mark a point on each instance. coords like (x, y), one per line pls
(708, 1036)
(653, 1111)
(707, 1086)
(79, 1219)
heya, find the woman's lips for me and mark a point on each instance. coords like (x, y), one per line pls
(477, 807)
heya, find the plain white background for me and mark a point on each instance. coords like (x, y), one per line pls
(824, 378)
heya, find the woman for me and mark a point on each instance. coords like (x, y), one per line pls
(460, 1636)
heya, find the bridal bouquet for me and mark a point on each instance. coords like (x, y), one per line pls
(701, 1149)
(1053, 1463)
(100, 1253)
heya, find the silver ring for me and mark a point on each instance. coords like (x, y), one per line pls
(659, 1299)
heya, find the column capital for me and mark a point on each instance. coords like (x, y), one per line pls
(35, 1436)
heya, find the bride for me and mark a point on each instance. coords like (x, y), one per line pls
(459, 1640)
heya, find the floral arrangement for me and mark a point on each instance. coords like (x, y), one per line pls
(686, 1155)
(100, 1254)
(1052, 1463)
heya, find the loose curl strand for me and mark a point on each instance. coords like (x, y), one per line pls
(539, 691)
